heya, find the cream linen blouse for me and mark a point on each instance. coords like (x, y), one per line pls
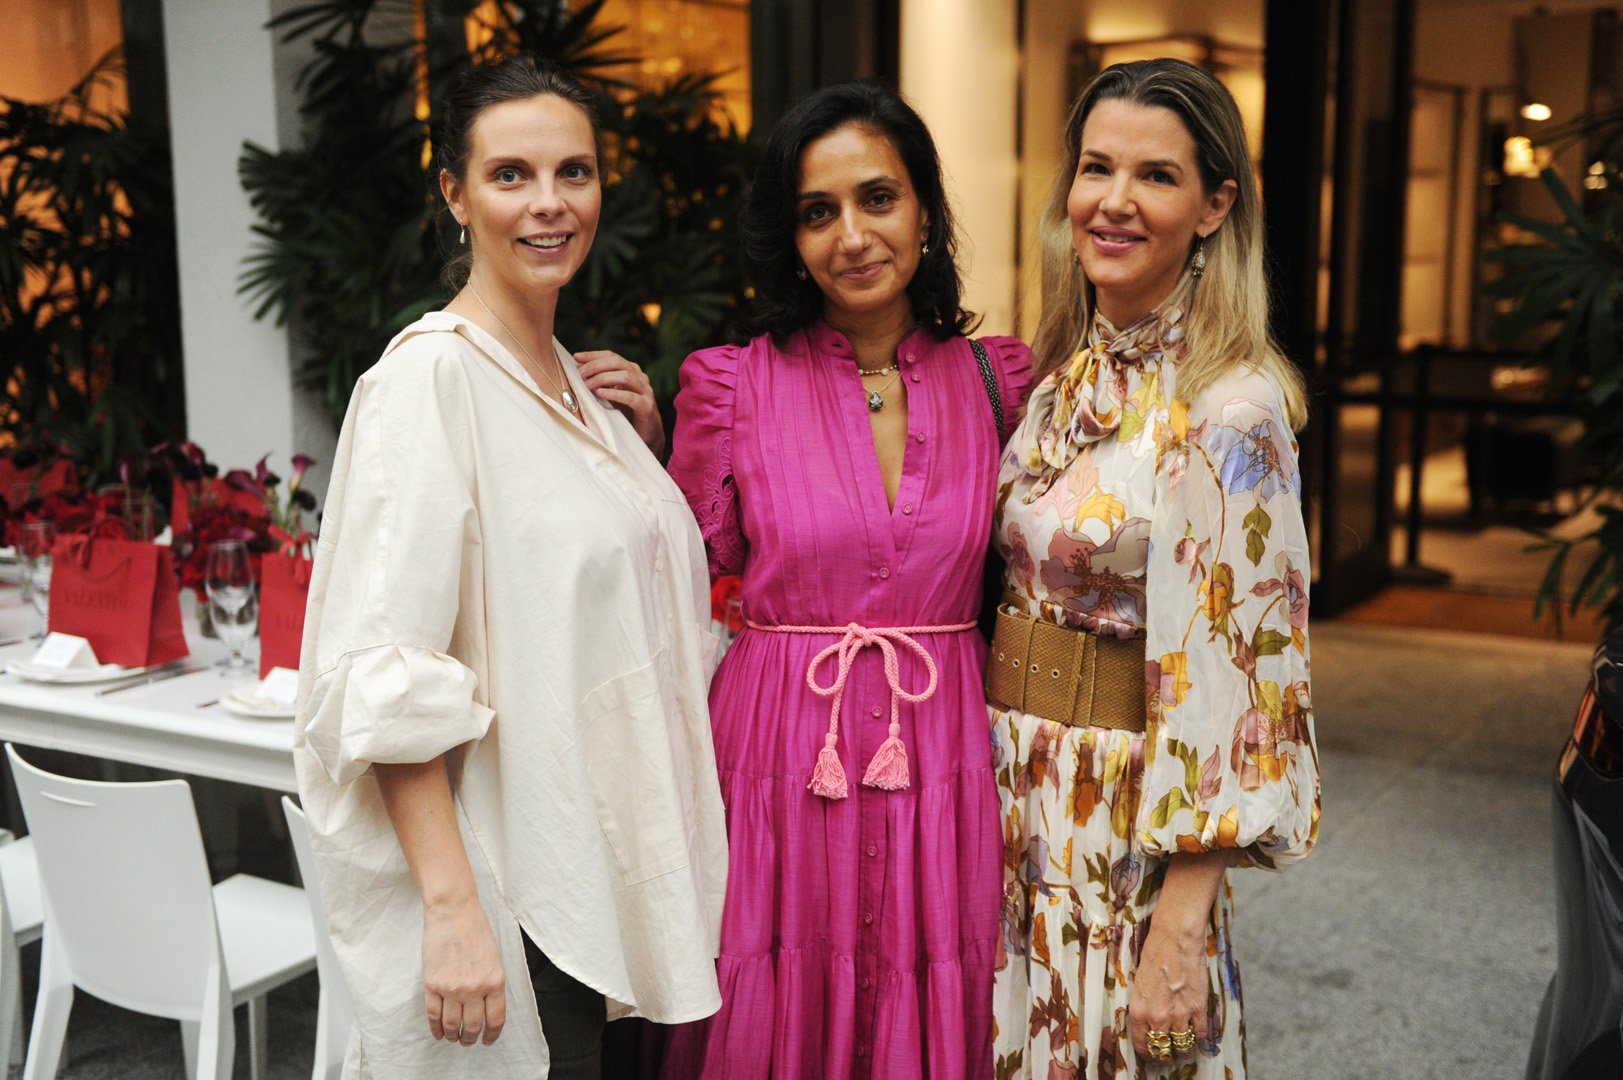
(494, 581)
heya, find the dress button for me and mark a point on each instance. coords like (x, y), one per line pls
(867, 919)
(862, 1051)
(907, 508)
(876, 710)
(915, 376)
(919, 437)
(884, 571)
(863, 982)
(873, 850)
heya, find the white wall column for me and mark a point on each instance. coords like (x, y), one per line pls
(960, 66)
(240, 398)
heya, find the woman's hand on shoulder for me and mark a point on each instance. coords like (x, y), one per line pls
(464, 986)
(620, 383)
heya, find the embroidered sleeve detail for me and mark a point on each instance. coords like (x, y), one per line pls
(717, 511)
(702, 455)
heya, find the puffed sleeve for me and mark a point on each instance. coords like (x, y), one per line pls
(1229, 758)
(1011, 360)
(396, 563)
(702, 454)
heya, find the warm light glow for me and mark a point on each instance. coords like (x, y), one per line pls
(651, 313)
(1535, 110)
(419, 33)
(479, 26)
(674, 36)
(1519, 157)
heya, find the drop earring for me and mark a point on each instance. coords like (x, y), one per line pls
(800, 272)
(924, 248)
(1197, 265)
(462, 238)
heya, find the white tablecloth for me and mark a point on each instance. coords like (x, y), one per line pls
(166, 724)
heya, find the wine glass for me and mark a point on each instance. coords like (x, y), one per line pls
(35, 545)
(229, 582)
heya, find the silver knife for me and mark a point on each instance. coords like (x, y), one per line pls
(157, 675)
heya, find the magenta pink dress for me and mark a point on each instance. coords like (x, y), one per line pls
(859, 933)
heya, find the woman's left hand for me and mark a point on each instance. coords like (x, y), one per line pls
(621, 383)
(1169, 989)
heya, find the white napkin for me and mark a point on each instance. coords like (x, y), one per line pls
(64, 652)
(280, 686)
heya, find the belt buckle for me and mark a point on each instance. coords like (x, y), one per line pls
(1011, 641)
(1052, 667)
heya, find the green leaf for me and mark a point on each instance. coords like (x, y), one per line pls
(1169, 805)
(1267, 642)
(1257, 525)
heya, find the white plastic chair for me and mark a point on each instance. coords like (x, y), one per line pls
(131, 918)
(22, 916)
(334, 1016)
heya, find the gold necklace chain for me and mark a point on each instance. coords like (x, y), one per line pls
(876, 399)
(559, 383)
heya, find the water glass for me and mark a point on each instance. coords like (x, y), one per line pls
(35, 546)
(233, 608)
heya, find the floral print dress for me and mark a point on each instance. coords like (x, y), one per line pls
(1125, 511)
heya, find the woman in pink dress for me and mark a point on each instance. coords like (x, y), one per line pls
(844, 463)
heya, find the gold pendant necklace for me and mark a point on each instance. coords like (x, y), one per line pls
(562, 386)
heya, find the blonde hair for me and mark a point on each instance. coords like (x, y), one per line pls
(1228, 313)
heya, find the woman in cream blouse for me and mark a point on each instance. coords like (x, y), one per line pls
(502, 740)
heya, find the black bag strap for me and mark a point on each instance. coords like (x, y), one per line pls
(989, 377)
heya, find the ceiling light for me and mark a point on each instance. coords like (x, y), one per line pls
(1535, 110)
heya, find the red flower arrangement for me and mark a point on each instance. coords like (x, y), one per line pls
(74, 512)
(210, 523)
(277, 525)
(721, 593)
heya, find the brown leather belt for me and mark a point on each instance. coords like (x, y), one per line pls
(1075, 677)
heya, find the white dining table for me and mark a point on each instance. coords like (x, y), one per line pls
(176, 724)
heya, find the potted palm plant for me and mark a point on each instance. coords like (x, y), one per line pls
(1568, 277)
(350, 241)
(89, 295)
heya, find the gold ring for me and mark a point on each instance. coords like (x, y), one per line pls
(1183, 1041)
(1160, 1044)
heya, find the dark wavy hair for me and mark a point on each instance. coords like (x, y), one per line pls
(783, 302)
(515, 78)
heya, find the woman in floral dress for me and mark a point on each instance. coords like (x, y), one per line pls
(844, 461)
(1149, 512)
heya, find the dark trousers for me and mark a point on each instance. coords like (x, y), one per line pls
(572, 1019)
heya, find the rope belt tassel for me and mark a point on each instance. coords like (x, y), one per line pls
(888, 769)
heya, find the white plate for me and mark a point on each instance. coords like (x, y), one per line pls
(73, 676)
(242, 702)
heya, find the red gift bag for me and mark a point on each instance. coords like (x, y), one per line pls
(121, 596)
(284, 586)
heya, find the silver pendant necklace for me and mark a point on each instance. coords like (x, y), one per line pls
(876, 398)
(562, 386)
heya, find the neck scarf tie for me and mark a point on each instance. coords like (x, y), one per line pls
(1085, 401)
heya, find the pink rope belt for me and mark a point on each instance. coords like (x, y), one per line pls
(888, 769)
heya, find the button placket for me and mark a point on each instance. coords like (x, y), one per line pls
(871, 878)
